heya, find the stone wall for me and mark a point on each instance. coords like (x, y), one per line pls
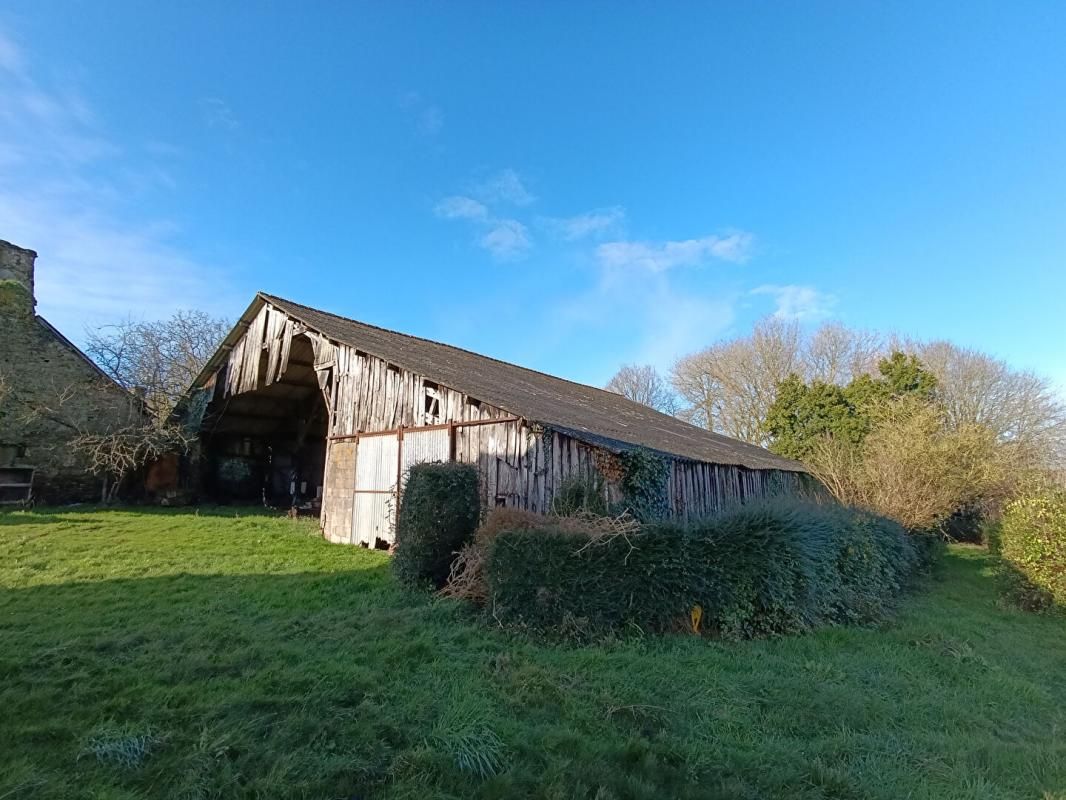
(50, 391)
(337, 497)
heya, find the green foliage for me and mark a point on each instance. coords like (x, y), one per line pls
(906, 375)
(439, 513)
(644, 484)
(14, 297)
(802, 414)
(581, 494)
(277, 665)
(1031, 540)
(762, 569)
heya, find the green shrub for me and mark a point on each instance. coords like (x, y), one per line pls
(762, 569)
(439, 513)
(1031, 541)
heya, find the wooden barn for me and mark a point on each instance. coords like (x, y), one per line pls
(306, 407)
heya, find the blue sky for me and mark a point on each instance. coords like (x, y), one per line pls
(565, 185)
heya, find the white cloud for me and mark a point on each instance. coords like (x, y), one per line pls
(797, 302)
(661, 256)
(508, 239)
(505, 238)
(600, 222)
(70, 193)
(461, 207)
(504, 187)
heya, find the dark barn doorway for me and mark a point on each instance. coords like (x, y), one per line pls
(269, 445)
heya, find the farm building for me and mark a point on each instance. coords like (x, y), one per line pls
(50, 392)
(305, 405)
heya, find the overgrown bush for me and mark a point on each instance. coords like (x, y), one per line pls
(439, 513)
(467, 580)
(763, 569)
(1031, 541)
(581, 494)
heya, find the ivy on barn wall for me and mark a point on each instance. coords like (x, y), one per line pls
(644, 483)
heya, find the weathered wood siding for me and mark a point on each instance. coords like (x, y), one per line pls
(521, 464)
(698, 489)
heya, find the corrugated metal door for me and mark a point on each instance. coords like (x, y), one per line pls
(373, 512)
(420, 447)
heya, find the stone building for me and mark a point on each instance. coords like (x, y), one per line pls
(50, 392)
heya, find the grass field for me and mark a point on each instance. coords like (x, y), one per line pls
(170, 654)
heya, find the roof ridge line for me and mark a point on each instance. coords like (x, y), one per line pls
(267, 296)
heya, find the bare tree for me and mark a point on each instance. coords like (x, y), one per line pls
(837, 354)
(116, 453)
(643, 384)
(1019, 407)
(729, 386)
(161, 358)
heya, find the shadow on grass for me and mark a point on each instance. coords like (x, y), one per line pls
(261, 675)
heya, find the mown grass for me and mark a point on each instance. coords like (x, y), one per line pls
(175, 654)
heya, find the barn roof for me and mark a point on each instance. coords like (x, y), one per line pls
(595, 415)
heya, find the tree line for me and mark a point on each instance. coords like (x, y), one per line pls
(924, 432)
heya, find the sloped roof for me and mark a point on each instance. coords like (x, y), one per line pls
(597, 415)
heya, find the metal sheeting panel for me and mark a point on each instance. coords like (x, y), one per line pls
(374, 498)
(420, 447)
(375, 462)
(372, 518)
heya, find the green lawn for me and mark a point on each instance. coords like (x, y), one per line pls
(159, 654)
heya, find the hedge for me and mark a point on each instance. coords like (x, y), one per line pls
(763, 569)
(439, 512)
(1031, 539)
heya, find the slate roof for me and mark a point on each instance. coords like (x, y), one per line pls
(595, 415)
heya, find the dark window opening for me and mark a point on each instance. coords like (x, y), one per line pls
(432, 405)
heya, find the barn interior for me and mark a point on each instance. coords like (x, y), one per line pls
(268, 445)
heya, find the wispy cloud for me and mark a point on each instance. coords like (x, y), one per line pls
(430, 120)
(505, 186)
(508, 239)
(93, 268)
(429, 117)
(68, 191)
(461, 207)
(501, 235)
(649, 317)
(661, 256)
(218, 114)
(11, 59)
(797, 302)
(592, 224)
